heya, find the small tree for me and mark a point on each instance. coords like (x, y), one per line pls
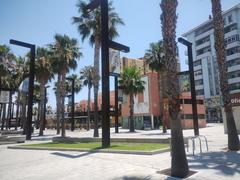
(43, 71)
(218, 24)
(179, 164)
(87, 75)
(131, 84)
(155, 59)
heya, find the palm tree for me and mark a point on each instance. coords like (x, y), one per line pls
(131, 84)
(156, 62)
(65, 52)
(179, 164)
(43, 71)
(87, 77)
(218, 24)
(77, 84)
(89, 26)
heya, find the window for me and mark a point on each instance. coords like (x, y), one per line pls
(188, 116)
(198, 72)
(233, 62)
(199, 101)
(232, 39)
(233, 74)
(230, 19)
(200, 92)
(203, 40)
(203, 50)
(201, 116)
(197, 63)
(235, 86)
(225, 21)
(199, 82)
(140, 98)
(187, 101)
(230, 28)
(233, 51)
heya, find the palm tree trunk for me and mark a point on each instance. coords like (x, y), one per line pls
(42, 102)
(160, 88)
(131, 108)
(63, 103)
(38, 115)
(23, 115)
(179, 164)
(3, 116)
(58, 101)
(88, 108)
(96, 86)
(17, 110)
(233, 139)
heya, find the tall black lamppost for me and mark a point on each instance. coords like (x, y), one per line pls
(30, 86)
(73, 103)
(45, 104)
(192, 82)
(105, 45)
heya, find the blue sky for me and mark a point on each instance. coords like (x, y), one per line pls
(37, 21)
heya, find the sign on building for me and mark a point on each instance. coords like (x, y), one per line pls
(114, 61)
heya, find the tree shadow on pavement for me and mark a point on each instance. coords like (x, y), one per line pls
(227, 163)
(71, 155)
(134, 178)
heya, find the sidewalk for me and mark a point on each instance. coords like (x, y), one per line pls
(27, 164)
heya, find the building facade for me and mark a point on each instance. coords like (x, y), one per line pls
(205, 64)
(147, 112)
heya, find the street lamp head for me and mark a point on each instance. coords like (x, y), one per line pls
(184, 41)
(20, 43)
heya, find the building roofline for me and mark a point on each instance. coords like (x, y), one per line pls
(208, 21)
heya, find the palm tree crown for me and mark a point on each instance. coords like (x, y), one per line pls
(89, 23)
(130, 81)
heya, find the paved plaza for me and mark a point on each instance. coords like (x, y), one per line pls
(50, 165)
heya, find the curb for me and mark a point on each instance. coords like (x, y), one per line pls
(94, 151)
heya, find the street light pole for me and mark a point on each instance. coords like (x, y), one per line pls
(72, 107)
(105, 45)
(105, 74)
(31, 84)
(192, 82)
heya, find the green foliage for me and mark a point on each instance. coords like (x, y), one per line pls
(88, 23)
(130, 81)
(64, 53)
(77, 84)
(43, 66)
(154, 57)
(87, 75)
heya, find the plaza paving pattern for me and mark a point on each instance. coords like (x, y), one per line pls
(37, 165)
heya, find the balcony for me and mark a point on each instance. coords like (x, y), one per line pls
(203, 45)
(197, 67)
(233, 56)
(234, 80)
(231, 33)
(233, 44)
(198, 77)
(200, 36)
(234, 68)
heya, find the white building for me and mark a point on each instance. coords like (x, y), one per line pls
(205, 65)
